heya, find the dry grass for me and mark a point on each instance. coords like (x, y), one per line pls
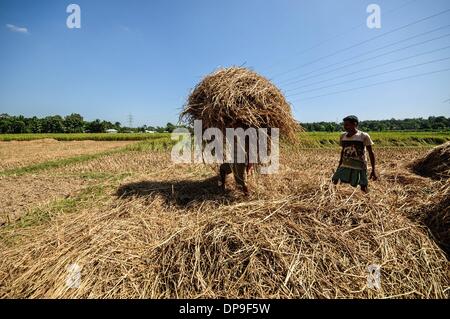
(20, 194)
(15, 154)
(168, 232)
(435, 164)
(238, 97)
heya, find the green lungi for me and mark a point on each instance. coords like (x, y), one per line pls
(351, 176)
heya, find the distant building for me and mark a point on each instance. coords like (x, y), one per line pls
(111, 130)
(151, 132)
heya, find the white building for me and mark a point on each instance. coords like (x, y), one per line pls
(111, 130)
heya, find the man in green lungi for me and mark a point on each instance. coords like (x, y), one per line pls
(239, 170)
(352, 167)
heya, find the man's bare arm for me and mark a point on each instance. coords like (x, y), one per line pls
(373, 174)
(340, 160)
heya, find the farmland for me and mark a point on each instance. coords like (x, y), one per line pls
(141, 226)
(393, 138)
(25, 153)
(307, 139)
(83, 136)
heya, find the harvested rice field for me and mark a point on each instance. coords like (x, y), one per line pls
(140, 226)
(15, 154)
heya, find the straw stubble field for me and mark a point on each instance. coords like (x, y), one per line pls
(16, 154)
(140, 226)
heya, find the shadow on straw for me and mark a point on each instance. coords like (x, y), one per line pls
(437, 219)
(178, 192)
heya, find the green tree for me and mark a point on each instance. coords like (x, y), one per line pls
(53, 124)
(170, 127)
(74, 123)
(34, 125)
(96, 126)
(18, 125)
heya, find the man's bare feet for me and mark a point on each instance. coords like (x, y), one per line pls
(249, 169)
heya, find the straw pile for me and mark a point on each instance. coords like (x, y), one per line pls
(437, 219)
(436, 164)
(237, 97)
(298, 237)
(286, 248)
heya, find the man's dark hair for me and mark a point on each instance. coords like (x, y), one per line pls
(352, 119)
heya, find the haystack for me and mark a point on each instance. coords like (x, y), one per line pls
(436, 164)
(238, 97)
(437, 218)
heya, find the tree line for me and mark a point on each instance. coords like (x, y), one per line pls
(73, 123)
(432, 123)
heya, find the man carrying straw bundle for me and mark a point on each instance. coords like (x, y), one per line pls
(352, 167)
(238, 98)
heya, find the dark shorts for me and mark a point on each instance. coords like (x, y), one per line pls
(351, 176)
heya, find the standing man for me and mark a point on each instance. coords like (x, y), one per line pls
(239, 170)
(352, 167)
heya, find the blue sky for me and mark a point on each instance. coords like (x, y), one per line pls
(143, 57)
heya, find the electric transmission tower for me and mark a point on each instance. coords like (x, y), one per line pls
(130, 120)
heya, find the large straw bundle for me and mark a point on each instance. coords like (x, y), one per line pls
(436, 164)
(237, 97)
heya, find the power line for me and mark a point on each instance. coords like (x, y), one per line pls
(371, 76)
(302, 78)
(370, 68)
(364, 42)
(374, 84)
(407, 3)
